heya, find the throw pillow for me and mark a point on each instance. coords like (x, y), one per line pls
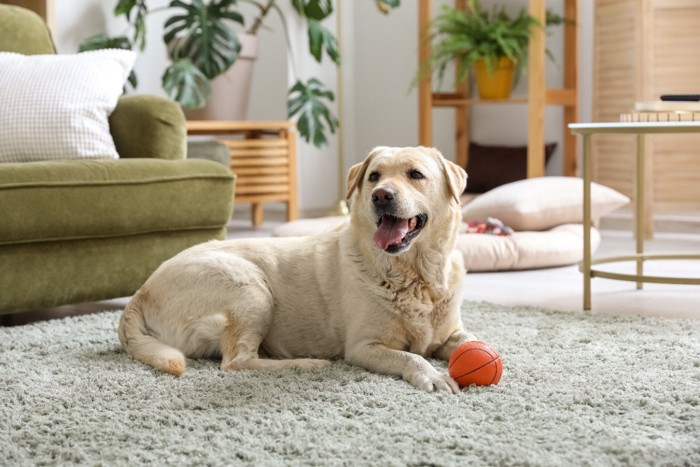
(492, 166)
(542, 203)
(57, 106)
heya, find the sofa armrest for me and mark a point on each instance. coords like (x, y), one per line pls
(150, 127)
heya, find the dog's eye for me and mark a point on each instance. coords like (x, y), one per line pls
(373, 177)
(414, 174)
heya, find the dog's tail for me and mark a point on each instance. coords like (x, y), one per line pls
(136, 340)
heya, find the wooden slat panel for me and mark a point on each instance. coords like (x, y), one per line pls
(212, 127)
(257, 180)
(644, 49)
(255, 143)
(261, 189)
(257, 161)
(676, 161)
(267, 170)
(261, 198)
(258, 152)
(614, 91)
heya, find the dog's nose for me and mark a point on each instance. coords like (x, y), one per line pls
(381, 197)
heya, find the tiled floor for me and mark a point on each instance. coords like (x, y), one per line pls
(556, 288)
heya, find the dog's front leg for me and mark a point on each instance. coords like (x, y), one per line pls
(456, 339)
(411, 367)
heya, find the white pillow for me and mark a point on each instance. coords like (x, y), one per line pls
(57, 106)
(542, 203)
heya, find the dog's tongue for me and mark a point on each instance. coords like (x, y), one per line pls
(390, 231)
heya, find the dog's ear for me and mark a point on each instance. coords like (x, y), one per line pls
(357, 172)
(455, 175)
(457, 178)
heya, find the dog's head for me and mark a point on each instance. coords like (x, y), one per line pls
(405, 195)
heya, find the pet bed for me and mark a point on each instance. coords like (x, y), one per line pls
(545, 214)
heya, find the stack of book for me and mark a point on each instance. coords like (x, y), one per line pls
(663, 111)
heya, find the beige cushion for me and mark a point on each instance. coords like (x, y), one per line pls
(57, 106)
(542, 203)
(559, 246)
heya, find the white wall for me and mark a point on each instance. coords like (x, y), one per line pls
(379, 64)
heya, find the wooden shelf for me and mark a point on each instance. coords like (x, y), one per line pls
(538, 95)
(453, 99)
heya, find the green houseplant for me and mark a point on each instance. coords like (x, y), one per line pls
(490, 41)
(202, 42)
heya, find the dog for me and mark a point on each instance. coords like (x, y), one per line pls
(382, 291)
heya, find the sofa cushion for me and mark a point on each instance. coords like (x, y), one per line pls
(542, 203)
(64, 200)
(57, 106)
(559, 246)
(23, 31)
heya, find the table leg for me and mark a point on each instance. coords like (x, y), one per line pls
(587, 221)
(257, 214)
(639, 207)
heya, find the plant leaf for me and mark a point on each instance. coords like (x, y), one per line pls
(201, 33)
(321, 39)
(313, 9)
(124, 7)
(390, 3)
(306, 102)
(186, 84)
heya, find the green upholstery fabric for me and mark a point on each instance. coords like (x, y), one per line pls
(148, 126)
(24, 32)
(46, 274)
(85, 230)
(209, 150)
(59, 200)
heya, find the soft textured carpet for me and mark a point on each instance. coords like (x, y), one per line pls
(576, 389)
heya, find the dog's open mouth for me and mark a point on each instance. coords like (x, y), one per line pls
(395, 234)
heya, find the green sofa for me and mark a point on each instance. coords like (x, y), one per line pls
(87, 230)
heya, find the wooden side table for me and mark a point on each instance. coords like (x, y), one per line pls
(263, 157)
(642, 174)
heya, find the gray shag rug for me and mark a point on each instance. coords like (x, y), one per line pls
(576, 389)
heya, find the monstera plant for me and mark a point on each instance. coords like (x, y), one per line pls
(202, 42)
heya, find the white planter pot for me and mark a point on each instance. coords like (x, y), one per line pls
(230, 91)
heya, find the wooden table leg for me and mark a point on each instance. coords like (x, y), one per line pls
(587, 221)
(639, 213)
(257, 214)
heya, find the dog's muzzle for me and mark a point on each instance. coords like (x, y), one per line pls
(394, 233)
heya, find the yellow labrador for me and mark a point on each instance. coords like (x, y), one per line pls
(381, 291)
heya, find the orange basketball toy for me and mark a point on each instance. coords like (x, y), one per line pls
(477, 363)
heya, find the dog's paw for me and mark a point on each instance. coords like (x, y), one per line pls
(433, 382)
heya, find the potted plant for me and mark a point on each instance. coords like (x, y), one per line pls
(203, 42)
(491, 42)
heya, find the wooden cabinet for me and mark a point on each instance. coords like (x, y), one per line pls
(643, 49)
(538, 95)
(263, 157)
